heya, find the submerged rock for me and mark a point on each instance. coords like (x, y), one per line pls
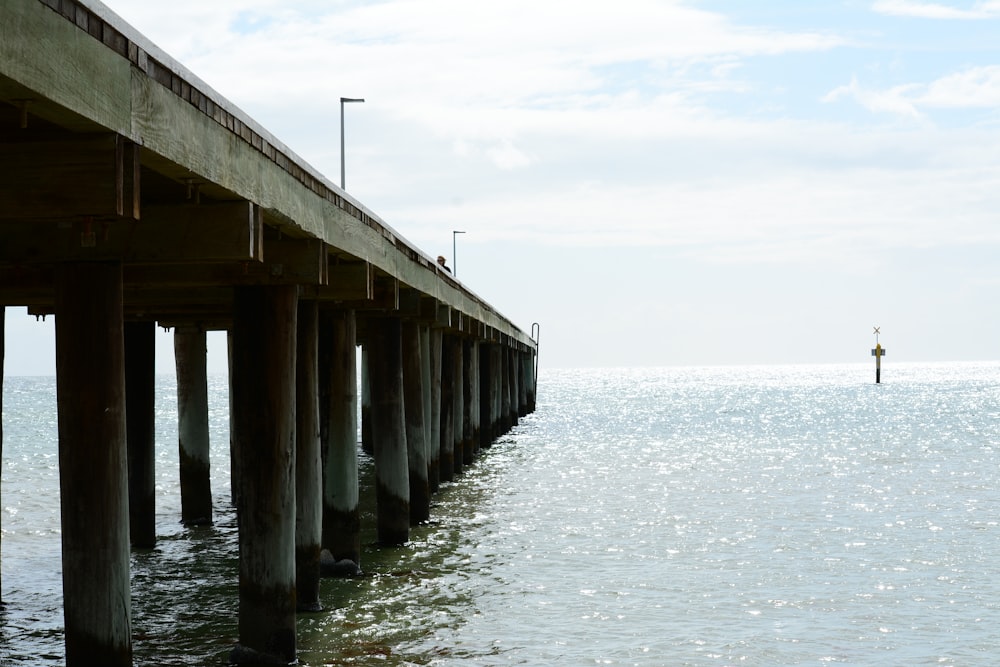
(345, 567)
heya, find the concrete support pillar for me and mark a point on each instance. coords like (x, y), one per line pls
(389, 432)
(447, 411)
(190, 357)
(413, 404)
(341, 553)
(263, 386)
(458, 404)
(90, 381)
(434, 445)
(308, 468)
(140, 430)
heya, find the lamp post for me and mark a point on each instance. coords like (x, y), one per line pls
(342, 101)
(454, 257)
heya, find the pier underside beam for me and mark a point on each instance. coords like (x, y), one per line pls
(90, 379)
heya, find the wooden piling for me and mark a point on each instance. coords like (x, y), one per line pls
(90, 387)
(341, 514)
(366, 405)
(522, 383)
(474, 400)
(504, 389)
(515, 386)
(468, 401)
(193, 443)
(263, 386)
(3, 327)
(413, 404)
(496, 362)
(234, 474)
(458, 404)
(389, 431)
(140, 431)
(308, 468)
(530, 380)
(505, 383)
(425, 377)
(447, 412)
(485, 395)
(434, 445)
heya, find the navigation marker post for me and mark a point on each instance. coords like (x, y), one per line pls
(878, 352)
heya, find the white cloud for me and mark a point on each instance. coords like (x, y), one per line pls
(974, 87)
(507, 156)
(810, 215)
(476, 55)
(597, 131)
(894, 100)
(935, 10)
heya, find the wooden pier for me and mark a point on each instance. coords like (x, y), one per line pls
(133, 196)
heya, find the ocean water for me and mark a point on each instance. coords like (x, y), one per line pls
(793, 515)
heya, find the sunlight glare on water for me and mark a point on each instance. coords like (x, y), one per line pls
(794, 515)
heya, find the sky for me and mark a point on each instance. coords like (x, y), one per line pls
(654, 182)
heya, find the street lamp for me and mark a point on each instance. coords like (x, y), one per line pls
(454, 257)
(342, 100)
